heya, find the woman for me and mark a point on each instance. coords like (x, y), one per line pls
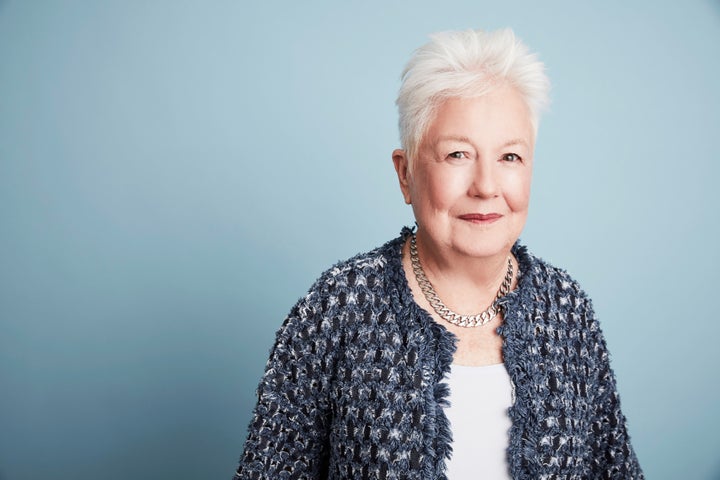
(449, 352)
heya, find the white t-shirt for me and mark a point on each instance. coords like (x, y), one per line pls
(479, 401)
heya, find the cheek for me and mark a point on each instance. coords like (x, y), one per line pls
(518, 195)
(443, 191)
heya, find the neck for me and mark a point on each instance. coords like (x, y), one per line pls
(445, 266)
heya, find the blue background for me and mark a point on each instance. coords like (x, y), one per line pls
(174, 175)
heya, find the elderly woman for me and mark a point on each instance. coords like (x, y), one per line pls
(450, 351)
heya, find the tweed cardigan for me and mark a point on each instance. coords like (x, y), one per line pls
(353, 387)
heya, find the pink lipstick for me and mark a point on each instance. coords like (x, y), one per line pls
(481, 217)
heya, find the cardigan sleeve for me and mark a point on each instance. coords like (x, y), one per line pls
(612, 454)
(288, 433)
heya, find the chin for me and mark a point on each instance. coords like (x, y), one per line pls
(489, 241)
(484, 248)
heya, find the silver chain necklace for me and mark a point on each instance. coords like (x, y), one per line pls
(477, 320)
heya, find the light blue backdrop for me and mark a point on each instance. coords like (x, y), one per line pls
(173, 176)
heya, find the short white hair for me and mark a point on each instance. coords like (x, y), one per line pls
(468, 63)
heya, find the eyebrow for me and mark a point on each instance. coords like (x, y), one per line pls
(456, 138)
(515, 141)
(462, 138)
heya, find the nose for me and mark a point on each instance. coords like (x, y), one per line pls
(484, 183)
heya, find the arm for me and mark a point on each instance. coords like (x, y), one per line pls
(612, 454)
(289, 429)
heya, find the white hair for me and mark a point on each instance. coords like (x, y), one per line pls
(467, 63)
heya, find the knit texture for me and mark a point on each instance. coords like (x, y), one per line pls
(353, 386)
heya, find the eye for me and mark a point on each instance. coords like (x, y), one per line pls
(511, 157)
(457, 155)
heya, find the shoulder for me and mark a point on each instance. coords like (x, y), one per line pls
(549, 305)
(539, 277)
(350, 284)
(364, 271)
(351, 296)
(552, 311)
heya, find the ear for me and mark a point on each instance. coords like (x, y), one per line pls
(400, 161)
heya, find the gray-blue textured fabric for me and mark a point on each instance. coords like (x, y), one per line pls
(353, 387)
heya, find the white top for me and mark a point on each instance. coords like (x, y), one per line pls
(478, 414)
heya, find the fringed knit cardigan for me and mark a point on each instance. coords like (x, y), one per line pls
(353, 387)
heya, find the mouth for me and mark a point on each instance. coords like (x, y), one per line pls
(481, 218)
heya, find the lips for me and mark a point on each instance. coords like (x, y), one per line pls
(481, 217)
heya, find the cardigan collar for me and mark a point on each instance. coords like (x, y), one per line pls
(512, 301)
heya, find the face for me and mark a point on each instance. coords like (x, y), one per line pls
(469, 185)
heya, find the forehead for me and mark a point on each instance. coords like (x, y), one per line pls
(496, 118)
